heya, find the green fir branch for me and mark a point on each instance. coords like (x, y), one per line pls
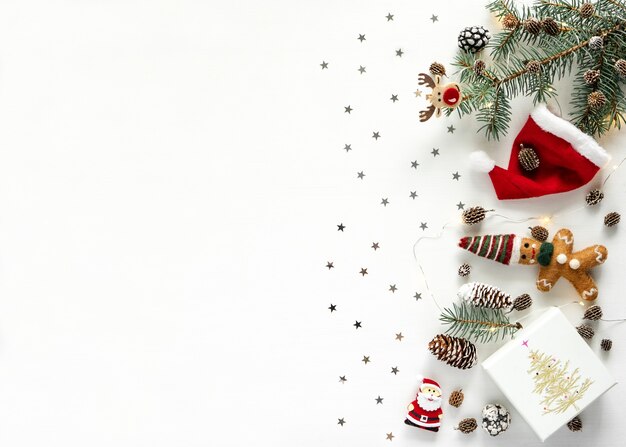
(477, 323)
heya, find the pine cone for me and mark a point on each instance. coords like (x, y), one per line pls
(575, 424)
(455, 351)
(467, 425)
(456, 398)
(594, 197)
(550, 26)
(611, 219)
(473, 38)
(532, 26)
(606, 344)
(479, 67)
(527, 157)
(591, 77)
(533, 67)
(596, 100)
(540, 233)
(585, 331)
(586, 10)
(522, 302)
(473, 215)
(620, 67)
(509, 21)
(465, 270)
(484, 295)
(437, 69)
(596, 43)
(593, 313)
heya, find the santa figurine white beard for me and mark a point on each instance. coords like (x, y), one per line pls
(427, 402)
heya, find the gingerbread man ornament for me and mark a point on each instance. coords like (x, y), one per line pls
(573, 266)
(556, 259)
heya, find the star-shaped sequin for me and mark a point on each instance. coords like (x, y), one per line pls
(394, 370)
(379, 400)
(342, 379)
(363, 271)
(451, 129)
(360, 175)
(460, 206)
(357, 324)
(341, 421)
(376, 135)
(456, 175)
(394, 98)
(390, 436)
(392, 288)
(330, 265)
(399, 336)
(347, 147)
(434, 18)
(341, 227)
(389, 17)
(418, 93)
(384, 202)
(414, 164)
(423, 225)
(333, 308)
(417, 296)
(413, 194)
(435, 152)
(361, 37)
(366, 359)
(361, 69)
(347, 109)
(399, 52)
(375, 246)
(324, 65)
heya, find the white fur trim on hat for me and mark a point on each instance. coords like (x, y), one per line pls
(480, 161)
(515, 252)
(582, 143)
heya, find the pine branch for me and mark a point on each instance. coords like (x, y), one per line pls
(477, 323)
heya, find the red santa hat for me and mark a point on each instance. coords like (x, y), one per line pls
(431, 384)
(568, 159)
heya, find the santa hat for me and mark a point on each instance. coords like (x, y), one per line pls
(431, 384)
(568, 159)
(497, 247)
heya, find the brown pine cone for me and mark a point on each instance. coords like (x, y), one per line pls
(596, 100)
(594, 197)
(575, 424)
(606, 344)
(533, 67)
(467, 425)
(456, 398)
(465, 269)
(620, 67)
(593, 313)
(612, 219)
(473, 215)
(591, 77)
(479, 67)
(437, 69)
(455, 351)
(509, 21)
(540, 233)
(522, 302)
(532, 26)
(585, 331)
(550, 26)
(527, 157)
(586, 10)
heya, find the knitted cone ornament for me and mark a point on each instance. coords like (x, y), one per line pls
(555, 259)
(569, 159)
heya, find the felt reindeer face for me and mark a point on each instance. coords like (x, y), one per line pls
(447, 95)
(529, 249)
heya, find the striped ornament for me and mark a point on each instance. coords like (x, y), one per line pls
(497, 247)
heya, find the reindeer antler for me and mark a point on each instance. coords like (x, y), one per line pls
(425, 115)
(424, 79)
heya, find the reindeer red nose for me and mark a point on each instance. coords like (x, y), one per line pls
(451, 96)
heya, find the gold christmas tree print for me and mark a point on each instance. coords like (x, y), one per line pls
(559, 387)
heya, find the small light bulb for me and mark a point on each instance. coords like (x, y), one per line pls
(615, 167)
(546, 220)
(493, 329)
(581, 303)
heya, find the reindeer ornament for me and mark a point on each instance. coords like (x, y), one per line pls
(448, 95)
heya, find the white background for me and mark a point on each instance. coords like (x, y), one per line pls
(171, 178)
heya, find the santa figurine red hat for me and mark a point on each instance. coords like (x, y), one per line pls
(425, 411)
(567, 158)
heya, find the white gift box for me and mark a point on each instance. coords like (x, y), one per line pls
(548, 372)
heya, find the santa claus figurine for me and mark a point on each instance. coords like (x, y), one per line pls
(425, 411)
